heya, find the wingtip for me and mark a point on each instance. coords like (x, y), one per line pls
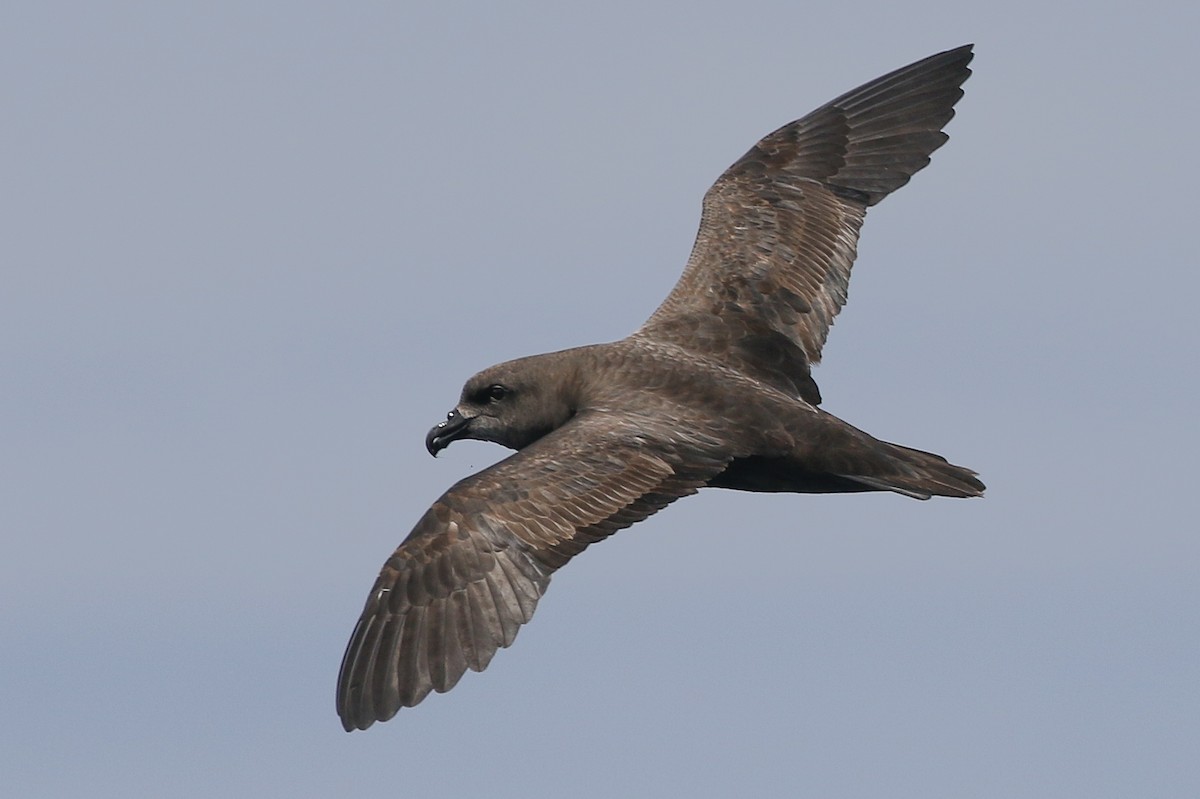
(963, 51)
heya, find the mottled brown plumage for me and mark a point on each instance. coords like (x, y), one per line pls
(714, 390)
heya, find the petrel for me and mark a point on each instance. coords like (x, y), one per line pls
(715, 389)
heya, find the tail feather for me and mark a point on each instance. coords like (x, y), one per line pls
(921, 475)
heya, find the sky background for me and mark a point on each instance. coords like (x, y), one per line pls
(250, 251)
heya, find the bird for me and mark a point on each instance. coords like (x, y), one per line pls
(715, 389)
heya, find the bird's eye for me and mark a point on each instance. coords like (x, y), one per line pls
(496, 393)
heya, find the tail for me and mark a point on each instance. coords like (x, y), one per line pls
(921, 475)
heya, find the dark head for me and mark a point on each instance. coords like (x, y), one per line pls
(513, 403)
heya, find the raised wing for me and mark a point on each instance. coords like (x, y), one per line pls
(472, 571)
(779, 230)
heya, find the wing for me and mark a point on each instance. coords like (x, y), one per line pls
(472, 571)
(779, 229)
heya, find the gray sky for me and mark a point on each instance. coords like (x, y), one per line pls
(252, 250)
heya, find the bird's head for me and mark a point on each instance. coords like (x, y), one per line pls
(513, 404)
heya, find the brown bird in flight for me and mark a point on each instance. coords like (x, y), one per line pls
(713, 390)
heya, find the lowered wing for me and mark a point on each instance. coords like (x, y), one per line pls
(472, 571)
